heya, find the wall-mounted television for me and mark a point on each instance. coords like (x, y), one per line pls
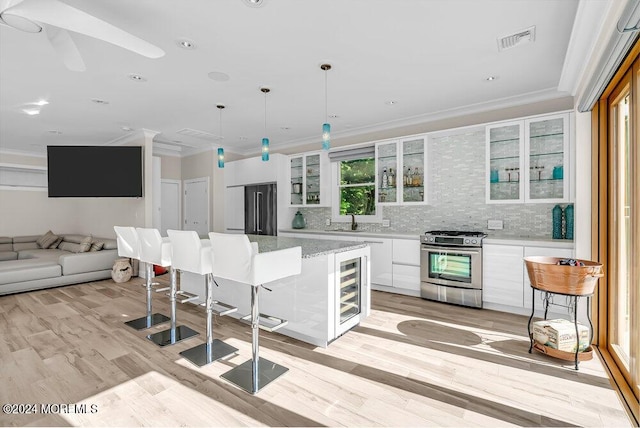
(95, 171)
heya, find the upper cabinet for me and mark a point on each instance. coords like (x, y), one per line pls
(309, 177)
(528, 160)
(400, 171)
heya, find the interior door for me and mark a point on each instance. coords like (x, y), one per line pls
(196, 205)
(170, 206)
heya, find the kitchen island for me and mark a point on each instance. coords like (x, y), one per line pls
(330, 296)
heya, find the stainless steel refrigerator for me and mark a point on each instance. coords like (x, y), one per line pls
(260, 209)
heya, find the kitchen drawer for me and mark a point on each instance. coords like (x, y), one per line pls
(407, 277)
(406, 251)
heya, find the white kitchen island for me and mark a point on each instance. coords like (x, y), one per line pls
(330, 296)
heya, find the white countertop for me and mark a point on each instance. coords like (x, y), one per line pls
(491, 239)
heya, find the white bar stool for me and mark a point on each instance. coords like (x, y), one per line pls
(129, 246)
(190, 254)
(156, 251)
(237, 259)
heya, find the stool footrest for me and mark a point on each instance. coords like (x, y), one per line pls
(222, 309)
(159, 290)
(184, 297)
(267, 322)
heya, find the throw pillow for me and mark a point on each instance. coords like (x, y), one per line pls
(46, 240)
(55, 244)
(85, 244)
(96, 246)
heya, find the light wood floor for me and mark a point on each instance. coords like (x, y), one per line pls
(411, 363)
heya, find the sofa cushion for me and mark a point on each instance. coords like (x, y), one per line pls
(72, 247)
(39, 253)
(28, 270)
(26, 238)
(46, 240)
(6, 247)
(110, 244)
(19, 246)
(76, 239)
(55, 244)
(6, 240)
(87, 262)
(8, 255)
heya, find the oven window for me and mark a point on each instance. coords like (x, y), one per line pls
(450, 266)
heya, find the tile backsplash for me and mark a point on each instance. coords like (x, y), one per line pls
(456, 198)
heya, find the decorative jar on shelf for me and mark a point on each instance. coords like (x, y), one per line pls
(298, 221)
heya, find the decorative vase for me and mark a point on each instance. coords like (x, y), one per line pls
(569, 221)
(556, 214)
(298, 221)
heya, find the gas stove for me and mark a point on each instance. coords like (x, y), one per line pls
(456, 238)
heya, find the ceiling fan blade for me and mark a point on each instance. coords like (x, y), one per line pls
(66, 48)
(58, 14)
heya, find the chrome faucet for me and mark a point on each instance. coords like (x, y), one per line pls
(354, 225)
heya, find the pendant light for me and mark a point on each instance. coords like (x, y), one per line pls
(265, 140)
(220, 149)
(326, 128)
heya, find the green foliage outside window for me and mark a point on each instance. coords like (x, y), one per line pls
(357, 188)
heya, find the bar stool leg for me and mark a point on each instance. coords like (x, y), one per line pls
(150, 319)
(213, 349)
(175, 333)
(256, 373)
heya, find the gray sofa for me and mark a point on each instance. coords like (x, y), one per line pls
(25, 266)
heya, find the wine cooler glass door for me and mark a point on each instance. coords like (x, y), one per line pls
(349, 295)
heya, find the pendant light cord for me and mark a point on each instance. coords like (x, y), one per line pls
(265, 114)
(326, 115)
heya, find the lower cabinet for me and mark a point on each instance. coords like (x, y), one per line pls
(406, 264)
(381, 267)
(502, 269)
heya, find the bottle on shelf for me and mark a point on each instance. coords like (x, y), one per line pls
(407, 177)
(392, 178)
(416, 180)
(385, 178)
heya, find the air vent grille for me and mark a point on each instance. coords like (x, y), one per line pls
(515, 39)
(198, 134)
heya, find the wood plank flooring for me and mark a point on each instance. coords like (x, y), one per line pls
(411, 363)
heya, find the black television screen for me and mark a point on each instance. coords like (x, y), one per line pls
(94, 171)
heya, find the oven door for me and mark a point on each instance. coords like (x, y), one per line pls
(451, 266)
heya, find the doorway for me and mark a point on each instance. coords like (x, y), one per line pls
(196, 205)
(171, 206)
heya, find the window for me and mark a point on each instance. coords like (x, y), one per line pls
(355, 190)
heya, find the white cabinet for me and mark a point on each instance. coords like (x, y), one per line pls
(406, 264)
(309, 179)
(381, 267)
(540, 251)
(502, 270)
(234, 209)
(401, 167)
(528, 160)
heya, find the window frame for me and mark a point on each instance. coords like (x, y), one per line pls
(336, 217)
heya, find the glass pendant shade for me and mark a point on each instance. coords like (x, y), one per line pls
(220, 157)
(265, 149)
(326, 136)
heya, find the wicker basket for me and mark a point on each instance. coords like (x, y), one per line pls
(545, 274)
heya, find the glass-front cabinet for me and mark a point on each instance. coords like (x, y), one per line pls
(401, 171)
(308, 178)
(527, 160)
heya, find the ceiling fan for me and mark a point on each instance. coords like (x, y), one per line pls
(56, 17)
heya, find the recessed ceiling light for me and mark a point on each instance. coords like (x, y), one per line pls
(391, 102)
(41, 103)
(31, 111)
(127, 128)
(54, 131)
(99, 101)
(285, 128)
(333, 116)
(186, 44)
(137, 77)
(254, 3)
(243, 138)
(491, 78)
(218, 76)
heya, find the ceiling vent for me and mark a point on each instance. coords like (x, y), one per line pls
(515, 39)
(198, 134)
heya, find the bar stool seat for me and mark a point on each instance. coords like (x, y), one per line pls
(236, 259)
(129, 246)
(190, 254)
(154, 250)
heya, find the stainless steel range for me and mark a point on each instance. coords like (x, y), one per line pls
(451, 267)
